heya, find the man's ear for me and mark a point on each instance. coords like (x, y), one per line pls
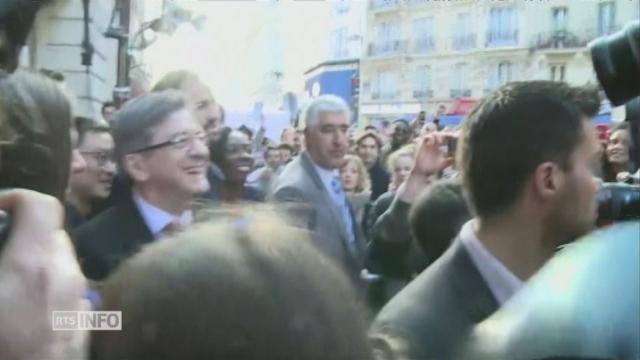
(136, 166)
(548, 179)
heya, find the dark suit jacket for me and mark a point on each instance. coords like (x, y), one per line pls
(314, 209)
(379, 180)
(109, 238)
(435, 313)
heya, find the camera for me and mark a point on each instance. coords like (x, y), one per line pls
(618, 202)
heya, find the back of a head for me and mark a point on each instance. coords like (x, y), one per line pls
(251, 288)
(173, 80)
(516, 128)
(437, 216)
(35, 123)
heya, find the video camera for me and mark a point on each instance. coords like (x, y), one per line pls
(616, 60)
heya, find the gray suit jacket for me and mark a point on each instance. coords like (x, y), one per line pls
(433, 316)
(312, 207)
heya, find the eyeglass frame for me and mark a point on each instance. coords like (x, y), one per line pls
(187, 141)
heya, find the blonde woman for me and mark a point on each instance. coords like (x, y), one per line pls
(357, 185)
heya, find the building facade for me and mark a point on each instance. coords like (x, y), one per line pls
(422, 53)
(55, 43)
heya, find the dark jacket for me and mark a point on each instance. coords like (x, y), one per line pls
(433, 316)
(111, 237)
(379, 180)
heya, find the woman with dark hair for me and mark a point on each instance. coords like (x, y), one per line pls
(36, 137)
(232, 154)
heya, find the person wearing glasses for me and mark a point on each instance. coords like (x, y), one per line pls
(91, 185)
(163, 152)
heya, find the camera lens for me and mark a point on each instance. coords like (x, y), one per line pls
(616, 60)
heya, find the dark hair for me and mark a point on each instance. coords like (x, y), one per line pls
(369, 134)
(437, 216)
(515, 129)
(133, 123)
(270, 148)
(246, 130)
(247, 287)
(35, 125)
(86, 125)
(285, 146)
(370, 127)
(173, 80)
(620, 126)
(107, 104)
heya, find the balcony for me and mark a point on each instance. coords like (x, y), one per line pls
(422, 94)
(502, 38)
(561, 39)
(387, 95)
(387, 48)
(424, 45)
(384, 5)
(466, 42)
(458, 93)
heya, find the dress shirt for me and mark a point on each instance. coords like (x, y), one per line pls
(157, 219)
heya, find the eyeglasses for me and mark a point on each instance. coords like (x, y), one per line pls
(179, 142)
(102, 158)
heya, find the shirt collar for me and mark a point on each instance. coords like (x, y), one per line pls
(502, 282)
(326, 175)
(157, 219)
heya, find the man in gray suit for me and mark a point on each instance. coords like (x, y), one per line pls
(527, 156)
(311, 183)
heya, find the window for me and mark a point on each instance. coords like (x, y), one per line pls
(388, 36)
(606, 18)
(385, 86)
(343, 6)
(499, 74)
(503, 28)
(458, 81)
(557, 72)
(339, 47)
(559, 19)
(463, 35)
(422, 82)
(423, 32)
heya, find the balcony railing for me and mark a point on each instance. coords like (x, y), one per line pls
(385, 95)
(422, 94)
(424, 45)
(465, 42)
(458, 93)
(502, 38)
(380, 5)
(561, 39)
(387, 48)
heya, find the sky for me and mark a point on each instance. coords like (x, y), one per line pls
(242, 42)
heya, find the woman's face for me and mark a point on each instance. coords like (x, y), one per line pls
(618, 147)
(350, 176)
(237, 156)
(402, 168)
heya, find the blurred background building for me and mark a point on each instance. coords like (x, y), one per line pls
(422, 53)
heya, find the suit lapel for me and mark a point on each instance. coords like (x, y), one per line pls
(132, 223)
(470, 287)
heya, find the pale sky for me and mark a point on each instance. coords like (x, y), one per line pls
(244, 40)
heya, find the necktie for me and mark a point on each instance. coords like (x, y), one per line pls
(343, 205)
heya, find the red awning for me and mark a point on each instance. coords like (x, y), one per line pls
(462, 106)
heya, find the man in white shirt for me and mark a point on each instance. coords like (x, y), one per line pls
(312, 187)
(527, 156)
(163, 152)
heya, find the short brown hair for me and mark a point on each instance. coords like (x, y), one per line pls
(515, 129)
(245, 287)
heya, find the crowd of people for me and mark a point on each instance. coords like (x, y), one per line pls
(413, 241)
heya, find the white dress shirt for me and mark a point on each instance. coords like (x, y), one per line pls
(502, 282)
(157, 219)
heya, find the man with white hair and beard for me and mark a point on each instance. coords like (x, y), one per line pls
(312, 183)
